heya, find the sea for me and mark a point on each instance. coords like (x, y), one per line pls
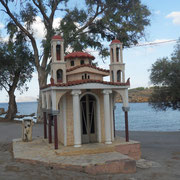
(141, 116)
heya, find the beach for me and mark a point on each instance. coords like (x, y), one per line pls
(160, 147)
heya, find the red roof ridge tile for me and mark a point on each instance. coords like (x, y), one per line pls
(79, 54)
(57, 37)
(87, 65)
(77, 82)
(115, 41)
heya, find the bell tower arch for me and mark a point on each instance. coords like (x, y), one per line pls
(58, 65)
(117, 67)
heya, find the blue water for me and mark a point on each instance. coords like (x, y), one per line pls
(24, 108)
(141, 117)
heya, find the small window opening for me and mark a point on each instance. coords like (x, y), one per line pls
(82, 62)
(59, 75)
(118, 76)
(72, 63)
(117, 54)
(58, 52)
(112, 55)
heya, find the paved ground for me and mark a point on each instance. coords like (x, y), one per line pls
(163, 148)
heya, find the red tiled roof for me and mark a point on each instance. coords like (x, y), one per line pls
(57, 37)
(87, 65)
(79, 54)
(84, 81)
(115, 41)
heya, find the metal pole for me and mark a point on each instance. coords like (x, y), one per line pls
(114, 123)
(49, 129)
(126, 126)
(55, 133)
(45, 126)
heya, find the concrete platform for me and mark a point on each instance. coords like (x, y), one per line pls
(96, 158)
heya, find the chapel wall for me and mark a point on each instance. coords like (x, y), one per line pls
(69, 120)
(78, 76)
(61, 124)
(77, 62)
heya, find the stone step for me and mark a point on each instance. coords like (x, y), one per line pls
(38, 151)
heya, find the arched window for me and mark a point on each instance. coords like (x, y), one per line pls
(58, 52)
(82, 62)
(118, 76)
(59, 75)
(72, 63)
(85, 76)
(117, 54)
(112, 54)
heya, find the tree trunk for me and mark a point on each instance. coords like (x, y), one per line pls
(12, 106)
(42, 82)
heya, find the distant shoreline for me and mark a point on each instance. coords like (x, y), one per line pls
(20, 102)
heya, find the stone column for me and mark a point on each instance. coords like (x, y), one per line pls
(126, 109)
(123, 76)
(107, 116)
(62, 51)
(114, 51)
(76, 118)
(121, 54)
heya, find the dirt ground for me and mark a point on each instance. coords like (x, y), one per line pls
(161, 147)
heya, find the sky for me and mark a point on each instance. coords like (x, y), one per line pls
(165, 25)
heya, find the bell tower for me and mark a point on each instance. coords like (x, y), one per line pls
(117, 67)
(58, 65)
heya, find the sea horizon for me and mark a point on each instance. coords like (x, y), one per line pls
(142, 117)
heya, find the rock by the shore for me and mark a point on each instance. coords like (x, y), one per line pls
(137, 95)
(2, 111)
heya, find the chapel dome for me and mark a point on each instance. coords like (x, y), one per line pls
(115, 41)
(57, 37)
(79, 54)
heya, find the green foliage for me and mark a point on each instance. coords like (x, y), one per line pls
(140, 88)
(28, 15)
(104, 20)
(16, 63)
(82, 28)
(165, 75)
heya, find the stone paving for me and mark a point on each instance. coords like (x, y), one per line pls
(90, 158)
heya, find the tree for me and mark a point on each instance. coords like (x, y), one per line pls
(165, 75)
(16, 67)
(98, 20)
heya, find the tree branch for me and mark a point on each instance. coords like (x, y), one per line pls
(49, 26)
(54, 7)
(33, 42)
(91, 19)
(15, 80)
(45, 17)
(4, 86)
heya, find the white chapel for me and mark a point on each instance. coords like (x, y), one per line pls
(78, 103)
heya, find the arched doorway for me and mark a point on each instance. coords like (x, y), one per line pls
(88, 119)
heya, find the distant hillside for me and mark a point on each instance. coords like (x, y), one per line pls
(139, 94)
